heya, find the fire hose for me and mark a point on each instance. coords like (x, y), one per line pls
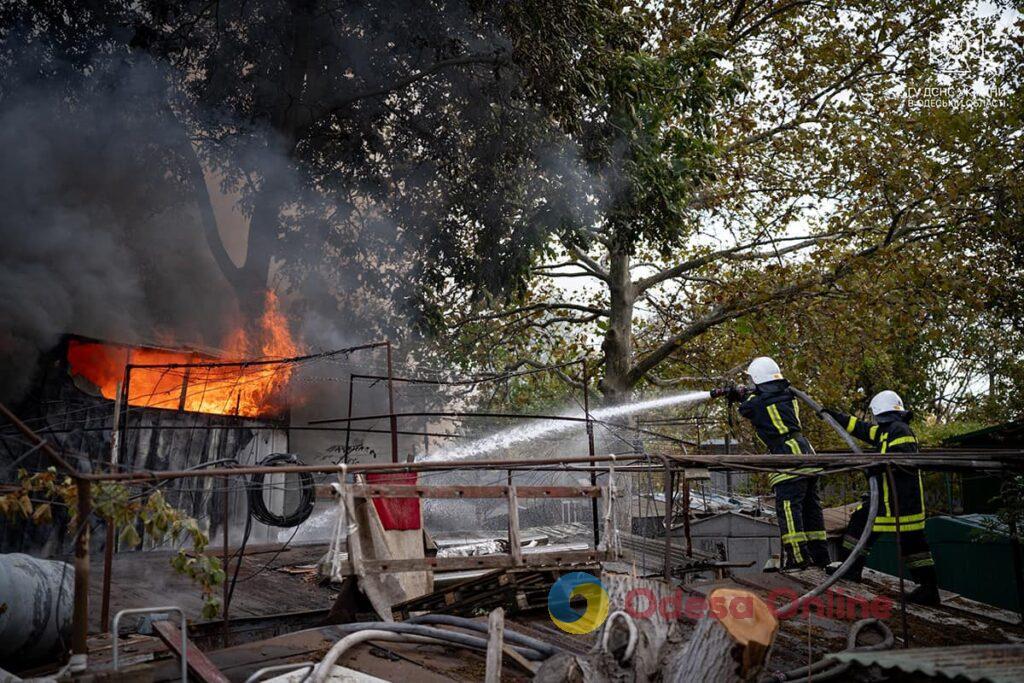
(360, 632)
(470, 624)
(796, 604)
(819, 410)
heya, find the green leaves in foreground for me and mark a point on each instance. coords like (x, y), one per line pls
(115, 504)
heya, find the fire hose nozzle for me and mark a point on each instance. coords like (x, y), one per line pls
(732, 392)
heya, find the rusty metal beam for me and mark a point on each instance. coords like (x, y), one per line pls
(406, 491)
(255, 363)
(199, 665)
(37, 441)
(80, 608)
(971, 461)
(533, 560)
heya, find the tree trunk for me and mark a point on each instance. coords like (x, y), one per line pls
(618, 339)
(251, 286)
(289, 116)
(731, 642)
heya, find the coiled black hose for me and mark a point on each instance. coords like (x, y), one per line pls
(258, 506)
(825, 668)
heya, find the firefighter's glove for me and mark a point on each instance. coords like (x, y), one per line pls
(732, 392)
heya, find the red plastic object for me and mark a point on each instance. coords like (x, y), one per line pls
(397, 514)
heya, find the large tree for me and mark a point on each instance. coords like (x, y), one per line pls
(361, 137)
(751, 156)
(357, 139)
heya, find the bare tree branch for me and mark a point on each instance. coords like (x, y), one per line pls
(201, 195)
(532, 308)
(590, 263)
(732, 254)
(737, 308)
(776, 11)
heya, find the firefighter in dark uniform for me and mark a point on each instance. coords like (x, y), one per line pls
(892, 434)
(774, 412)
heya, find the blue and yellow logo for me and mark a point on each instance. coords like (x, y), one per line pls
(570, 619)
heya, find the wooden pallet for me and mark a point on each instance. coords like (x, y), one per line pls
(516, 590)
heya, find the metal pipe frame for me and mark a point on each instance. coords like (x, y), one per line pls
(80, 607)
(392, 418)
(265, 361)
(669, 490)
(266, 426)
(154, 610)
(972, 461)
(940, 460)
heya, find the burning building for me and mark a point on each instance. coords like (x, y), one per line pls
(137, 407)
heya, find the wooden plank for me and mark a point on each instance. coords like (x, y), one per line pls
(536, 560)
(515, 544)
(500, 587)
(405, 491)
(199, 665)
(495, 640)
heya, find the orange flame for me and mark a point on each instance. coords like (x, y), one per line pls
(246, 390)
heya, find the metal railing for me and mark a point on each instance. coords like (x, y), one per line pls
(154, 610)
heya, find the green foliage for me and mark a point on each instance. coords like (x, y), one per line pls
(116, 505)
(933, 433)
(709, 129)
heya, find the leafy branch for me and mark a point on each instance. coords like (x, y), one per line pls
(35, 494)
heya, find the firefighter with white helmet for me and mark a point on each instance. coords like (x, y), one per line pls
(774, 412)
(891, 433)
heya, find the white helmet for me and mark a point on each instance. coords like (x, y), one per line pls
(764, 369)
(886, 402)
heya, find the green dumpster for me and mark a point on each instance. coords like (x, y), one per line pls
(973, 557)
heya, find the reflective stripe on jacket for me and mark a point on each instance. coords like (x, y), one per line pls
(894, 436)
(774, 411)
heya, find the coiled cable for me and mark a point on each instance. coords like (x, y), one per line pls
(258, 506)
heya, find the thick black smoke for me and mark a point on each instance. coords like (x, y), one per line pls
(98, 233)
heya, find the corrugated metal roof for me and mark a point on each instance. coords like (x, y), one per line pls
(995, 663)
